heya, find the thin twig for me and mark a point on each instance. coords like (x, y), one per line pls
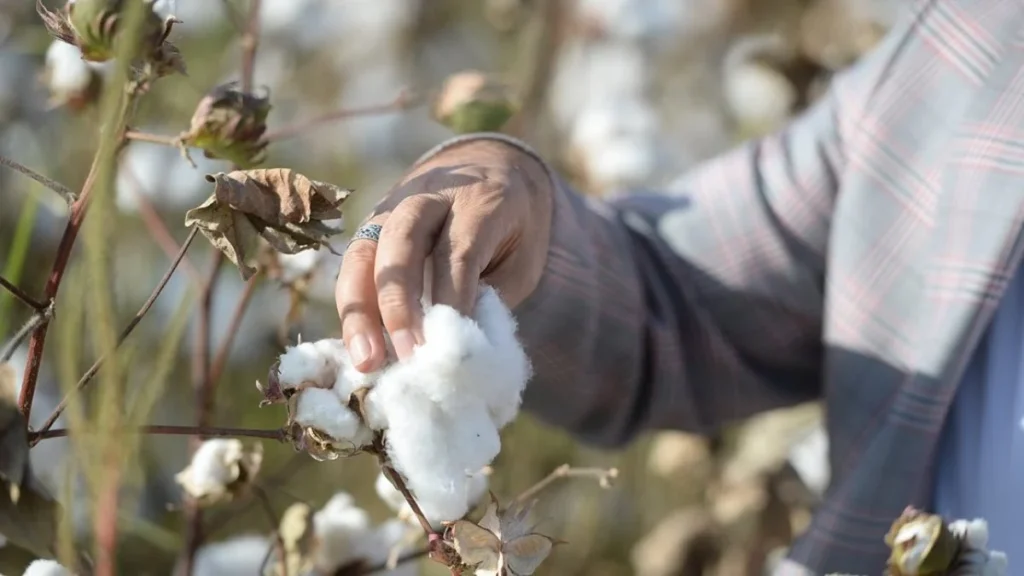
(67, 243)
(161, 234)
(66, 193)
(37, 319)
(396, 479)
(22, 295)
(275, 523)
(172, 141)
(604, 476)
(95, 368)
(405, 100)
(221, 359)
(250, 43)
(278, 434)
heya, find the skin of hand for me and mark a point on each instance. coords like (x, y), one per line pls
(478, 211)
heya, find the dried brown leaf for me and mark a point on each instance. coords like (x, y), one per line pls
(279, 196)
(283, 207)
(229, 231)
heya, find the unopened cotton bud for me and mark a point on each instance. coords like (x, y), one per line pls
(229, 124)
(471, 101)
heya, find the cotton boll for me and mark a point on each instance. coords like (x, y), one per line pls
(214, 466)
(68, 77)
(759, 95)
(502, 370)
(341, 528)
(322, 409)
(311, 363)
(46, 568)
(239, 556)
(435, 450)
(296, 266)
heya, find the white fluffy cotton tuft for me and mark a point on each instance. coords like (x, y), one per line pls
(440, 410)
(46, 568)
(239, 556)
(344, 534)
(215, 465)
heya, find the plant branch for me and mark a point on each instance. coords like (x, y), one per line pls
(95, 368)
(67, 243)
(396, 479)
(37, 319)
(157, 228)
(221, 359)
(604, 477)
(66, 193)
(278, 434)
(172, 141)
(250, 43)
(22, 295)
(405, 100)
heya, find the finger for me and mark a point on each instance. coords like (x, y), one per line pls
(356, 297)
(459, 258)
(408, 236)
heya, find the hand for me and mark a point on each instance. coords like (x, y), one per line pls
(480, 210)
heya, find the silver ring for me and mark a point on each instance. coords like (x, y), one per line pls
(367, 232)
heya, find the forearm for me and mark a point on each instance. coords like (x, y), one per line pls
(626, 334)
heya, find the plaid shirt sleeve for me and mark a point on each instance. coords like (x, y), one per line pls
(701, 305)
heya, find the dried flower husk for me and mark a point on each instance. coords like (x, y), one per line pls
(230, 124)
(92, 26)
(279, 205)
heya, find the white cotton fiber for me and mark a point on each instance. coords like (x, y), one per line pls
(311, 363)
(239, 556)
(46, 568)
(443, 407)
(323, 410)
(440, 410)
(344, 535)
(214, 466)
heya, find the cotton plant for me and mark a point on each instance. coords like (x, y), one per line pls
(220, 469)
(434, 418)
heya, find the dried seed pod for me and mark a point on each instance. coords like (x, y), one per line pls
(921, 545)
(230, 124)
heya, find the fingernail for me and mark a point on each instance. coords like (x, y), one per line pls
(359, 349)
(404, 342)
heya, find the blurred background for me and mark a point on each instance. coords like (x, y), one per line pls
(618, 94)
